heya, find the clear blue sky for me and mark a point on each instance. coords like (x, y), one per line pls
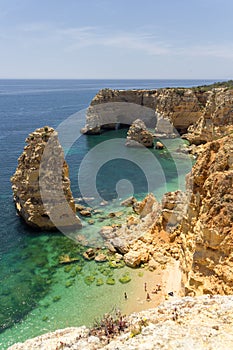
(116, 39)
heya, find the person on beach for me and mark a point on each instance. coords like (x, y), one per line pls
(126, 296)
(148, 298)
(145, 287)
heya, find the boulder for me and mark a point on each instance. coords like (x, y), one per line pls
(107, 232)
(159, 145)
(128, 202)
(89, 254)
(145, 207)
(120, 245)
(85, 212)
(132, 258)
(101, 257)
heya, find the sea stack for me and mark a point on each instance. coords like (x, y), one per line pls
(138, 135)
(41, 184)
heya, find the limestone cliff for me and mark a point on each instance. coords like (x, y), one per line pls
(199, 114)
(182, 107)
(217, 118)
(41, 184)
(207, 230)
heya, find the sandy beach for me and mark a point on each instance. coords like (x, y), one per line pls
(152, 288)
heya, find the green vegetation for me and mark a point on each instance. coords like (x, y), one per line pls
(223, 84)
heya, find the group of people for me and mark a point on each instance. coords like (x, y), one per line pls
(154, 291)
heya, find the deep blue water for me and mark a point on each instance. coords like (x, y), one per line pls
(24, 106)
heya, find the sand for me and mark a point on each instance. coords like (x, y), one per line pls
(169, 280)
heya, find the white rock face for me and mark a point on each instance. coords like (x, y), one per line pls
(203, 323)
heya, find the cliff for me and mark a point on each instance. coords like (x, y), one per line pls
(189, 323)
(193, 228)
(207, 230)
(41, 184)
(199, 114)
(217, 118)
(182, 107)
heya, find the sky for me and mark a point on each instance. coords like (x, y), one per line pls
(116, 39)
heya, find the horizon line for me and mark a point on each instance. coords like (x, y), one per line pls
(116, 79)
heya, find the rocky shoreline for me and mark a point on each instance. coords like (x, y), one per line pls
(192, 229)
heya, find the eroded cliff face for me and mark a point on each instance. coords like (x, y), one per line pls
(198, 115)
(182, 107)
(41, 184)
(207, 230)
(217, 118)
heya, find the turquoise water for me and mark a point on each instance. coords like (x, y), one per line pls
(37, 293)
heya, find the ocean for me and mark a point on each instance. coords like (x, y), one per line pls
(37, 294)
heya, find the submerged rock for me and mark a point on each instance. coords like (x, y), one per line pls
(41, 183)
(159, 145)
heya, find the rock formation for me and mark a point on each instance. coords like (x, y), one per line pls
(216, 120)
(194, 228)
(199, 114)
(207, 230)
(41, 184)
(110, 109)
(180, 107)
(138, 135)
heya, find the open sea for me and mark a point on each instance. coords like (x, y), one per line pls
(37, 293)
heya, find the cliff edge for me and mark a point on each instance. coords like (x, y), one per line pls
(201, 323)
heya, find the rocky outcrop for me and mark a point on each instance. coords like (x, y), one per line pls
(41, 184)
(216, 120)
(182, 107)
(111, 109)
(138, 135)
(170, 109)
(189, 323)
(207, 231)
(200, 115)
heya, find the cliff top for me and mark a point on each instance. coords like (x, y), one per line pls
(188, 323)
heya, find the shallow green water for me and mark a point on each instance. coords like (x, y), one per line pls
(40, 294)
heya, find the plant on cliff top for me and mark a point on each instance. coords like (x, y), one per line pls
(110, 325)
